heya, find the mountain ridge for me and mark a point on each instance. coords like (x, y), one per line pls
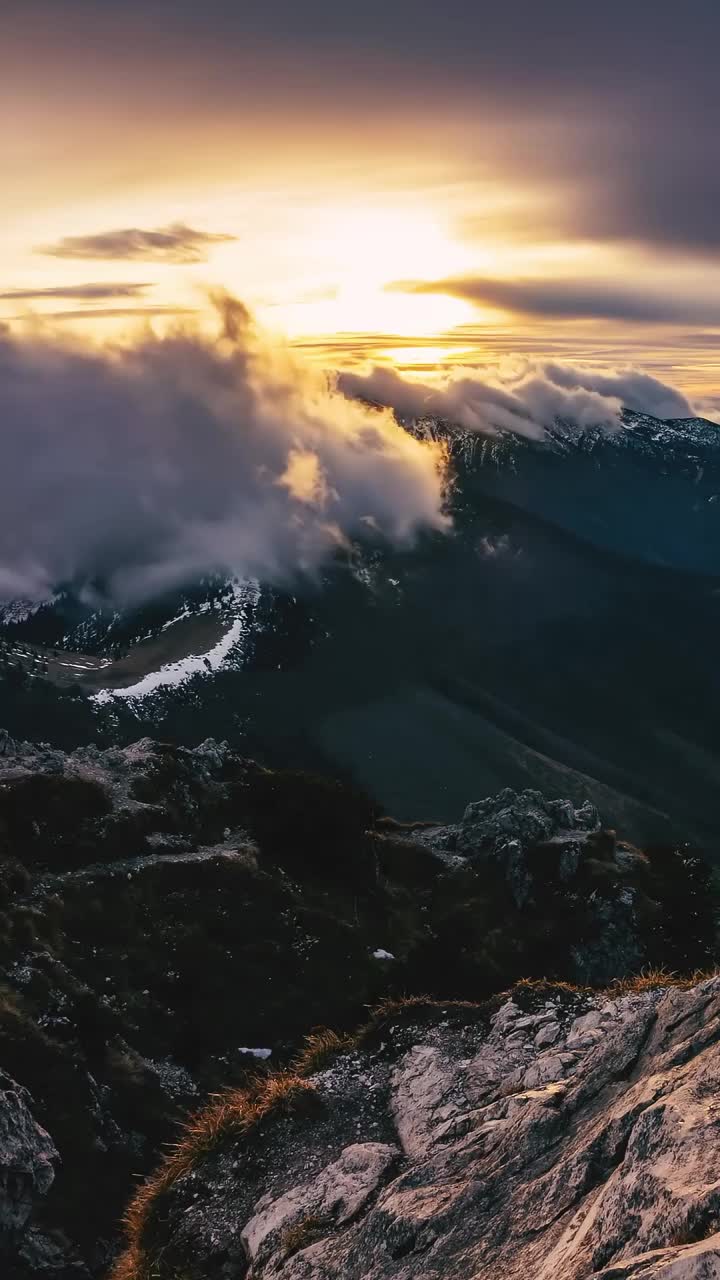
(574, 612)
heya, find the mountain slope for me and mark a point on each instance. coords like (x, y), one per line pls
(564, 634)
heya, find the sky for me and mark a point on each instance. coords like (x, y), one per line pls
(396, 183)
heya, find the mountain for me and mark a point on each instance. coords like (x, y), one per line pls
(563, 636)
(175, 919)
(648, 489)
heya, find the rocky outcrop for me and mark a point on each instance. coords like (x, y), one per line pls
(553, 1133)
(568, 884)
(171, 920)
(502, 826)
(61, 809)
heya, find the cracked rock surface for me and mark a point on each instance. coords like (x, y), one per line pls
(558, 1134)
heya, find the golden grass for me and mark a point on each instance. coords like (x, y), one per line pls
(652, 979)
(232, 1114)
(321, 1048)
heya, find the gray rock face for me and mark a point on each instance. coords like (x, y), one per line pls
(560, 1136)
(27, 1157)
(554, 857)
(336, 1195)
(488, 826)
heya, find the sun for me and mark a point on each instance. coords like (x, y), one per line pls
(361, 251)
(408, 356)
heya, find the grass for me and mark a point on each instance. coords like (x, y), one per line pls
(397, 1007)
(652, 979)
(321, 1048)
(231, 1115)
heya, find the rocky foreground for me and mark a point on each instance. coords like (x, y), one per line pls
(558, 1135)
(173, 922)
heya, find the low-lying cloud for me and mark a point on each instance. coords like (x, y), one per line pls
(176, 243)
(526, 400)
(129, 470)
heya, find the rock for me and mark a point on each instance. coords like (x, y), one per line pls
(548, 1068)
(505, 1019)
(609, 1172)
(588, 1022)
(584, 1039)
(421, 1084)
(27, 1157)
(521, 818)
(547, 1035)
(334, 1197)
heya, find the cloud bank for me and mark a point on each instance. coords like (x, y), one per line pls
(133, 469)
(127, 471)
(176, 243)
(527, 400)
(574, 299)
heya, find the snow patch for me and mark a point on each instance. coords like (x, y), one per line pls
(176, 673)
(21, 610)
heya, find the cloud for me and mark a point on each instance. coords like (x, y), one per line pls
(129, 470)
(653, 184)
(573, 299)
(176, 243)
(112, 313)
(86, 292)
(526, 401)
(610, 110)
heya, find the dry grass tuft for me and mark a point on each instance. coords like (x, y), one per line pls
(541, 986)
(231, 1115)
(654, 979)
(321, 1048)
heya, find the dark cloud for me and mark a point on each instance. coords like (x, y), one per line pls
(86, 292)
(176, 243)
(145, 466)
(613, 109)
(637, 167)
(575, 299)
(665, 193)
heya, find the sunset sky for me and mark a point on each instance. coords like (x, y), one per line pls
(460, 183)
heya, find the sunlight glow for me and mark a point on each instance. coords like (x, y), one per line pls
(360, 251)
(402, 356)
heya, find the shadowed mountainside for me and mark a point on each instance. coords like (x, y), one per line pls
(564, 636)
